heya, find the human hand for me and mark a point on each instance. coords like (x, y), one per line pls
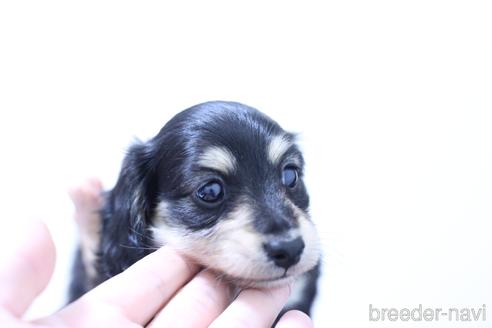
(161, 290)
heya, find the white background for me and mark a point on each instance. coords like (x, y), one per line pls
(394, 100)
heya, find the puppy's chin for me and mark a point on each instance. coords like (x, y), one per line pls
(273, 280)
(267, 283)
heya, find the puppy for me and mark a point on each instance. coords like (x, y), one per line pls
(221, 183)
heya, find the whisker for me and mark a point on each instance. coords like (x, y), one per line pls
(139, 247)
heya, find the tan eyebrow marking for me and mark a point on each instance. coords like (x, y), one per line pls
(218, 158)
(277, 148)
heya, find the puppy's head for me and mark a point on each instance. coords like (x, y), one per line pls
(226, 188)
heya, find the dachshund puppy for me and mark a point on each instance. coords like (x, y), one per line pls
(222, 184)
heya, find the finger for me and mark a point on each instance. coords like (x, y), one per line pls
(86, 196)
(254, 308)
(140, 291)
(196, 305)
(295, 319)
(27, 269)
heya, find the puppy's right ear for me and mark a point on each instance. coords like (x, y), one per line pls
(128, 210)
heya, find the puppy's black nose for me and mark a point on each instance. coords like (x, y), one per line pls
(285, 253)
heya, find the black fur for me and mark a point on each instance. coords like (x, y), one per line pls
(165, 168)
(80, 282)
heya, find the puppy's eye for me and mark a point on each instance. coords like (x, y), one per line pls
(211, 192)
(290, 176)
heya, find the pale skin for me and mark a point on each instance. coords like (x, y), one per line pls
(164, 289)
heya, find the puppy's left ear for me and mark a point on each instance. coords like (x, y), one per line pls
(128, 210)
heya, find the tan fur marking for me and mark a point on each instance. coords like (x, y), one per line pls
(277, 148)
(233, 247)
(218, 158)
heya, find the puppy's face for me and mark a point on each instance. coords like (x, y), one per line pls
(230, 194)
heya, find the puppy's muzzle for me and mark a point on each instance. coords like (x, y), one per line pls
(284, 253)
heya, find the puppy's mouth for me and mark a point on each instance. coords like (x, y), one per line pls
(262, 283)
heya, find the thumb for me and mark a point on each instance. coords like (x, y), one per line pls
(27, 268)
